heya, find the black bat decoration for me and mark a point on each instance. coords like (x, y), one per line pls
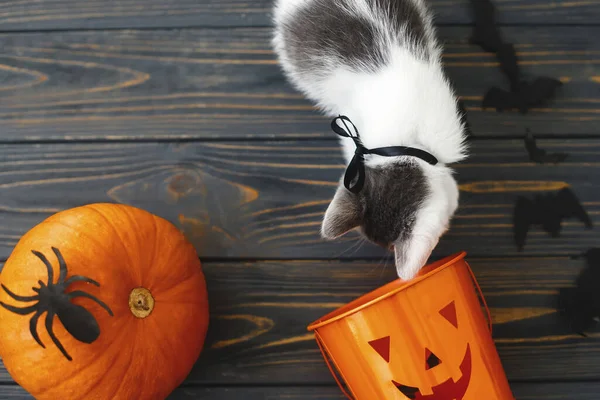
(547, 211)
(509, 64)
(541, 156)
(537, 93)
(527, 95)
(522, 95)
(485, 33)
(580, 305)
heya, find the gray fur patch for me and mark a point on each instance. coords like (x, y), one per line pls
(403, 13)
(343, 214)
(391, 199)
(385, 209)
(324, 32)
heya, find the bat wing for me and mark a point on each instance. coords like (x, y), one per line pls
(535, 154)
(541, 90)
(576, 307)
(499, 99)
(507, 57)
(569, 206)
(592, 257)
(486, 37)
(541, 156)
(555, 158)
(485, 33)
(522, 220)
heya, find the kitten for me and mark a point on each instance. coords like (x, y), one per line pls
(378, 63)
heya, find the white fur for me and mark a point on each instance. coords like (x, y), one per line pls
(408, 102)
(431, 223)
(285, 9)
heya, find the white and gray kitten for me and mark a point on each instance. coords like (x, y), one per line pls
(378, 62)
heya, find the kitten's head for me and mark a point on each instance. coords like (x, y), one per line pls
(405, 205)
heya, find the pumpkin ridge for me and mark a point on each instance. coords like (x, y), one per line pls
(10, 352)
(65, 379)
(151, 328)
(128, 212)
(88, 237)
(165, 354)
(151, 284)
(133, 349)
(97, 383)
(156, 328)
(116, 233)
(164, 292)
(153, 260)
(182, 303)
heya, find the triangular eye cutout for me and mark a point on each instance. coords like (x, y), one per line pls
(449, 312)
(431, 360)
(382, 347)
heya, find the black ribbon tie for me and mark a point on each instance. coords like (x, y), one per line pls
(354, 179)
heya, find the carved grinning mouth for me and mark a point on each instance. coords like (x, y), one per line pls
(447, 389)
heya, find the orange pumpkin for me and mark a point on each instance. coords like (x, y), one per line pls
(102, 301)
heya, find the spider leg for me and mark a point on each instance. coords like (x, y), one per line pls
(80, 293)
(17, 297)
(19, 310)
(33, 327)
(78, 278)
(63, 265)
(48, 265)
(49, 319)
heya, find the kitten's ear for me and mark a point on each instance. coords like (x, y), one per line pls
(342, 215)
(412, 254)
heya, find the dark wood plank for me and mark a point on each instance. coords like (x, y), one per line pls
(529, 391)
(260, 310)
(226, 84)
(522, 391)
(99, 14)
(266, 199)
(14, 392)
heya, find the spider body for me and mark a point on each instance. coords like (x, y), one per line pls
(52, 300)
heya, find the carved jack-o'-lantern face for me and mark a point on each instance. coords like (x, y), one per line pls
(448, 389)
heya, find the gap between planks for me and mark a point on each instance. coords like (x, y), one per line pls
(308, 138)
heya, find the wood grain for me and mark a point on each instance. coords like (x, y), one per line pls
(530, 391)
(266, 199)
(97, 14)
(522, 391)
(14, 392)
(199, 84)
(260, 311)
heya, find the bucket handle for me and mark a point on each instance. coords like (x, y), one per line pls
(489, 315)
(331, 368)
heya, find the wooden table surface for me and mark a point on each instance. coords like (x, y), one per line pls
(178, 107)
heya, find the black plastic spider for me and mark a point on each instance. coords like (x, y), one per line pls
(51, 298)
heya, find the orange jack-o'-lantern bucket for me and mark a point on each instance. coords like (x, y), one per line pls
(424, 339)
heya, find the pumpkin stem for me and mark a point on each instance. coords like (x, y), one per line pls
(141, 302)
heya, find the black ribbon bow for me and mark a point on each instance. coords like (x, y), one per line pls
(354, 179)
